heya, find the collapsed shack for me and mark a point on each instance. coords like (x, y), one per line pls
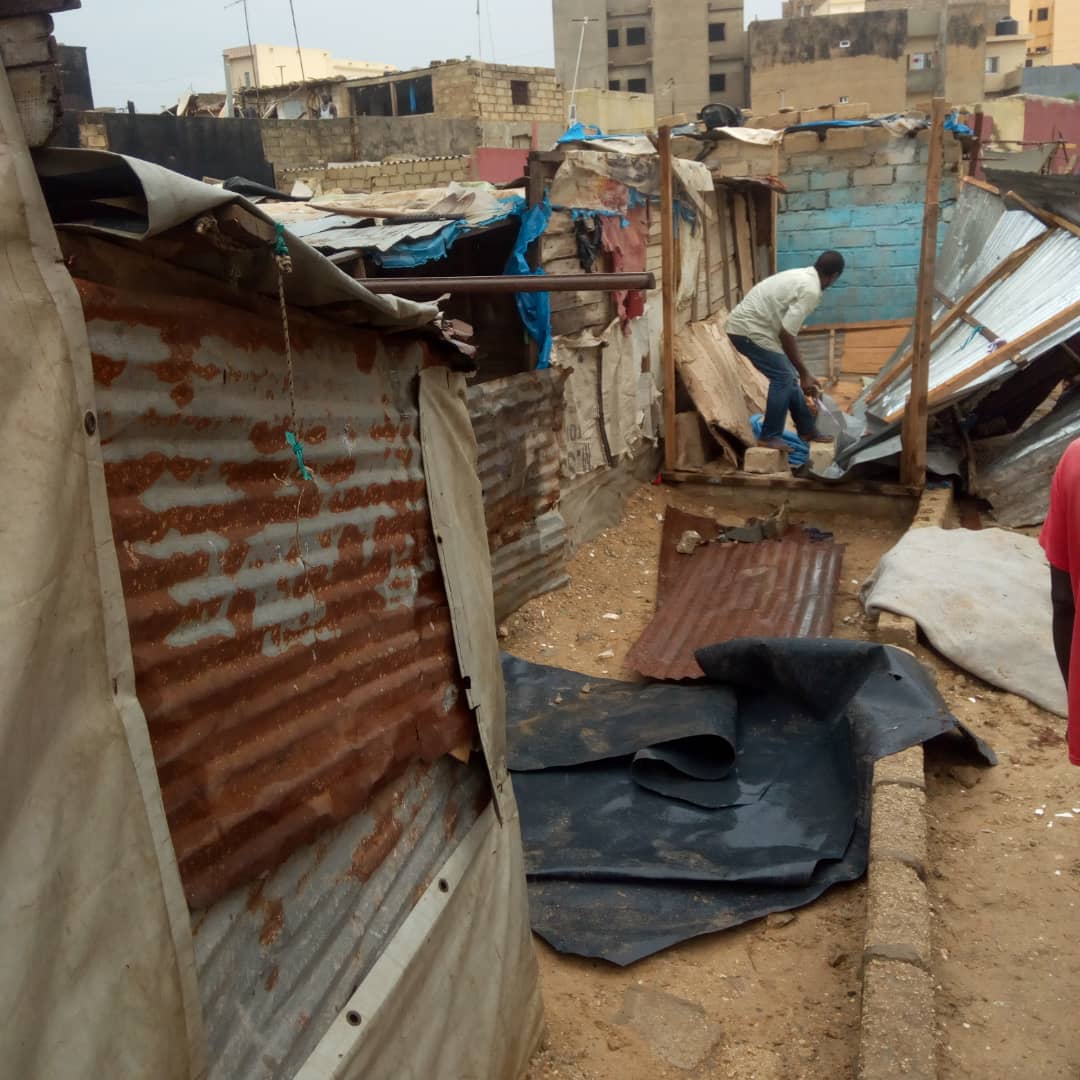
(1005, 337)
(297, 518)
(565, 399)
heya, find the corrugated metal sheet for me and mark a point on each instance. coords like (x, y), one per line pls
(292, 644)
(517, 421)
(278, 961)
(1016, 482)
(775, 588)
(1046, 283)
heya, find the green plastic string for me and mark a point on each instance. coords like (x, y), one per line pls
(971, 337)
(298, 449)
(280, 247)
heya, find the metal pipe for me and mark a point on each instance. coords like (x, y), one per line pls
(509, 283)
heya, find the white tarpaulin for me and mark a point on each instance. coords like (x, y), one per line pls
(97, 978)
(983, 600)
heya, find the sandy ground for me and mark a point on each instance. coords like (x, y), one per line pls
(762, 1002)
(772, 1002)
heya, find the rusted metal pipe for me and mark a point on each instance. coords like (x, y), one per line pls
(509, 283)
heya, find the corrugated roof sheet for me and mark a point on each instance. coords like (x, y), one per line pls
(774, 588)
(1016, 482)
(292, 644)
(517, 421)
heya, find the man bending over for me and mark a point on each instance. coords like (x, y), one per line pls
(763, 328)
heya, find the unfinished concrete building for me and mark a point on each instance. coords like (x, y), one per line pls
(685, 54)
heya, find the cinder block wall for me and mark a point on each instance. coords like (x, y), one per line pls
(379, 175)
(859, 191)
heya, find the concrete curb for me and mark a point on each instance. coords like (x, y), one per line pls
(897, 1035)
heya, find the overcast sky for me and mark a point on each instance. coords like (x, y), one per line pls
(151, 51)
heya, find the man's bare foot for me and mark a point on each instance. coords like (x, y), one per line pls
(774, 443)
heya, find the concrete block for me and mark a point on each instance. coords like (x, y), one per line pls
(936, 509)
(897, 1038)
(897, 630)
(875, 174)
(821, 456)
(806, 200)
(857, 111)
(898, 830)
(897, 910)
(801, 142)
(810, 240)
(900, 152)
(908, 768)
(799, 181)
(877, 138)
(852, 238)
(911, 174)
(829, 181)
(763, 459)
(845, 138)
(812, 116)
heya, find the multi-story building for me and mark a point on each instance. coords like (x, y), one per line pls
(280, 65)
(686, 53)
(1054, 26)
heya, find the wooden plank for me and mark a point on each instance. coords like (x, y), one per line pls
(27, 40)
(557, 247)
(774, 203)
(793, 483)
(1007, 266)
(976, 148)
(941, 298)
(1012, 351)
(881, 324)
(913, 438)
(832, 355)
(723, 219)
(574, 320)
(1045, 216)
(708, 265)
(744, 257)
(982, 185)
(667, 225)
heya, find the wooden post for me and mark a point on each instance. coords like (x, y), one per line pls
(913, 455)
(667, 244)
(976, 149)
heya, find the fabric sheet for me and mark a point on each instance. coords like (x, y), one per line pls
(982, 598)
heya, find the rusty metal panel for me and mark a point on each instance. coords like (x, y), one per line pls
(292, 641)
(279, 959)
(517, 421)
(774, 588)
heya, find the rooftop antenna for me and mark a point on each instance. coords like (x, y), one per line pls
(251, 51)
(479, 34)
(577, 67)
(296, 34)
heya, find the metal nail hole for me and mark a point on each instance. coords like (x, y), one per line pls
(353, 1017)
(444, 885)
(90, 423)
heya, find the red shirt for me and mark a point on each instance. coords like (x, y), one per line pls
(1061, 542)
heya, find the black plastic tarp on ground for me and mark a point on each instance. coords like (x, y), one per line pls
(655, 812)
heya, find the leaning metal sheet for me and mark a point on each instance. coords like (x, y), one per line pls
(607, 881)
(517, 421)
(292, 642)
(279, 959)
(775, 588)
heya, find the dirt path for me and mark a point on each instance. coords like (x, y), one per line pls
(762, 1002)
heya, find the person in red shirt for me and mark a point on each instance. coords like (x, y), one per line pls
(1060, 540)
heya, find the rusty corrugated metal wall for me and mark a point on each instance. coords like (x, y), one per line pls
(292, 643)
(517, 421)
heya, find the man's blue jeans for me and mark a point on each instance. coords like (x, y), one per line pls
(785, 393)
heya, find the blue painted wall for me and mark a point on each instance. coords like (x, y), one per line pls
(860, 193)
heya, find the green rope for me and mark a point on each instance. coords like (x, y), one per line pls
(298, 449)
(280, 247)
(971, 337)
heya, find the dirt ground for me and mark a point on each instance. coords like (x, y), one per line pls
(772, 1002)
(762, 1002)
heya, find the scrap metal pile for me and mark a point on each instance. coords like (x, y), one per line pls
(1005, 351)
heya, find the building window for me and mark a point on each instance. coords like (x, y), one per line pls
(247, 78)
(613, 38)
(614, 84)
(519, 92)
(1029, 63)
(921, 61)
(992, 65)
(717, 83)
(1042, 14)
(717, 31)
(637, 86)
(635, 35)
(843, 99)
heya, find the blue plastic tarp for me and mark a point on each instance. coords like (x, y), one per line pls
(800, 451)
(534, 308)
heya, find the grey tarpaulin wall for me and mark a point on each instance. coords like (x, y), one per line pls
(97, 976)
